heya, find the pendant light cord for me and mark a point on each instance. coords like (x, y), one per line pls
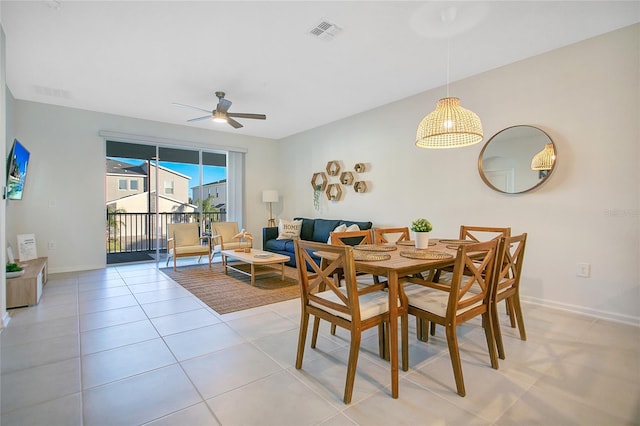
(448, 60)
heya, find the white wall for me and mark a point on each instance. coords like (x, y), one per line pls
(585, 96)
(64, 198)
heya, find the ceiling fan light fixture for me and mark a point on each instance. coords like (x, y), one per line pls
(219, 117)
(449, 126)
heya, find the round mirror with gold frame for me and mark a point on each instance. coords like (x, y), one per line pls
(517, 159)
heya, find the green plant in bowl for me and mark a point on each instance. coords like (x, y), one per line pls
(13, 267)
(421, 225)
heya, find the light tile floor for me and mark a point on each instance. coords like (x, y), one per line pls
(127, 346)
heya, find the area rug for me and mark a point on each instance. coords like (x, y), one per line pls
(234, 292)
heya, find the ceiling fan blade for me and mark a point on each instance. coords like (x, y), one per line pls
(223, 105)
(200, 118)
(233, 123)
(245, 115)
(191, 106)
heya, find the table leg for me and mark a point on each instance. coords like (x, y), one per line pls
(224, 264)
(393, 331)
(282, 267)
(253, 274)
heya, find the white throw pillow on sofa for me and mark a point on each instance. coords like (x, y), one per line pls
(289, 229)
(339, 228)
(344, 228)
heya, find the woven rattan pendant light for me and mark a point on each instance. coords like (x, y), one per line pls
(544, 159)
(450, 125)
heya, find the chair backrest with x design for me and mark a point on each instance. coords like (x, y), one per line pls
(352, 238)
(483, 233)
(391, 235)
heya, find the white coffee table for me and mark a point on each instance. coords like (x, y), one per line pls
(253, 258)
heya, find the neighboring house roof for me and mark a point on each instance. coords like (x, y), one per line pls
(143, 165)
(115, 167)
(218, 182)
(121, 168)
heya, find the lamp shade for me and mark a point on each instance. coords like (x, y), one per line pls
(544, 159)
(270, 196)
(449, 126)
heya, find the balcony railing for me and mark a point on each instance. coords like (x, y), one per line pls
(132, 232)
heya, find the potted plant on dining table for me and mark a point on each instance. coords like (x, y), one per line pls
(421, 227)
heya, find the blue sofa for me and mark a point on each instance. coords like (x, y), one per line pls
(312, 230)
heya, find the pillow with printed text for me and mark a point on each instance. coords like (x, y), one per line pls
(289, 229)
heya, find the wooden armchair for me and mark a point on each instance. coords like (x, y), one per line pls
(184, 240)
(223, 237)
(352, 307)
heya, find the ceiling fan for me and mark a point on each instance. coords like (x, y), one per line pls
(221, 114)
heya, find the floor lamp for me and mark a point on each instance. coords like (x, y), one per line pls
(270, 196)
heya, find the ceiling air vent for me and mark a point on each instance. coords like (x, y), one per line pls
(52, 92)
(325, 30)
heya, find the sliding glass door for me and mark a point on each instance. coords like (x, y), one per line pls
(150, 186)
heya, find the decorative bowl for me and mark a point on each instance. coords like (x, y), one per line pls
(15, 274)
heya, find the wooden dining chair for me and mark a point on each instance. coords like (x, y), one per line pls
(508, 286)
(483, 233)
(355, 308)
(472, 233)
(351, 238)
(391, 235)
(454, 304)
(475, 234)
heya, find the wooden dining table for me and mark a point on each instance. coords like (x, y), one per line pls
(395, 268)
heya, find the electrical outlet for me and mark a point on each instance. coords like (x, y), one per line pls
(52, 245)
(583, 270)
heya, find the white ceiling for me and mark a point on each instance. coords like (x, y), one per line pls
(136, 58)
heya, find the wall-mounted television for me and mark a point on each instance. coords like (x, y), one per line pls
(17, 165)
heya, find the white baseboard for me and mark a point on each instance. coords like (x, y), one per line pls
(595, 313)
(51, 270)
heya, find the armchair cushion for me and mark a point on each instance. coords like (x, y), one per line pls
(186, 237)
(196, 250)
